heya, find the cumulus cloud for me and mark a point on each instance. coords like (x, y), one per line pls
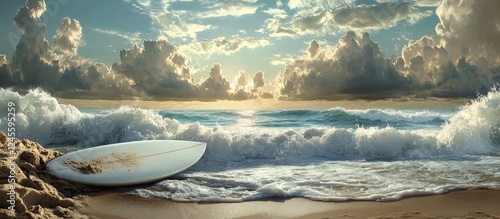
(277, 20)
(260, 88)
(353, 67)
(155, 70)
(177, 24)
(307, 21)
(466, 29)
(379, 16)
(32, 55)
(258, 80)
(216, 85)
(240, 81)
(313, 48)
(158, 69)
(463, 57)
(473, 26)
(68, 36)
(313, 23)
(5, 72)
(3, 59)
(234, 8)
(32, 42)
(36, 8)
(427, 3)
(318, 17)
(461, 60)
(221, 45)
(36, 63)
(245, 87)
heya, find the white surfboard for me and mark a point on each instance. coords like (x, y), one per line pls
(127, 163)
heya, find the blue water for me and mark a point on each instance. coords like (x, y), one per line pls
(328, 155)
(337, 117)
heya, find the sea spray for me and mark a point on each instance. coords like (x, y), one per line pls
(325, 155)
(474, 129)
(469, 131)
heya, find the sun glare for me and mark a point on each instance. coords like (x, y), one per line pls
(246, 119)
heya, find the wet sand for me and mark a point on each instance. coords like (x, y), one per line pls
(458, 204)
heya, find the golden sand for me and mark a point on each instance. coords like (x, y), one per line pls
(37, 194)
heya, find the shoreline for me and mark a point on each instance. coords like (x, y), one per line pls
(41, 195)
(456, 204)
(265, 104)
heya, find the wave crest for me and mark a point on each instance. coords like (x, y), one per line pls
(472, 130)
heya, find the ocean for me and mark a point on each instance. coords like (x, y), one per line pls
(334, 154)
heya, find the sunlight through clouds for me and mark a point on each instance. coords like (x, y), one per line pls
(224, 46)
(234, 8)
(249, 49)
(329, 18)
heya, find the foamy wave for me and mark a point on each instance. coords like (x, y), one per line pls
(325, 180)
(41, 118)
(254, 164)
(473, 130)
(476, 127)
(391, 115)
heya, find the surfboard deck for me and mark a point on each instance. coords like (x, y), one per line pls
(127, 163)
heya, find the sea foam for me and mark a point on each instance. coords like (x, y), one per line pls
(472, 130)
(475, 128)
(321, 163)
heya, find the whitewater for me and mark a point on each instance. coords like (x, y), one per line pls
(326, 155)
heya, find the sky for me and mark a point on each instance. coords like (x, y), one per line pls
(249, 49)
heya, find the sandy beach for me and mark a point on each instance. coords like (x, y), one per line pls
(459, 204)
(41, 196)
(28, 191)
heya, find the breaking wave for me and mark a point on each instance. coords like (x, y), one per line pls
(475, 129)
